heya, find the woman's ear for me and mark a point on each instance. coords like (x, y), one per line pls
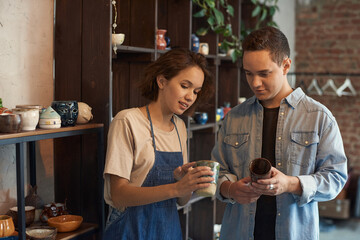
(287, 65)
(160, 81)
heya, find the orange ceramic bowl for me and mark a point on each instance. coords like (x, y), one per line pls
(65, 223)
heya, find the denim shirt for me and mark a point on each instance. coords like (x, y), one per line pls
(308, 145)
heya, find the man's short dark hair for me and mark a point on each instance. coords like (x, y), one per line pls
(271, 39)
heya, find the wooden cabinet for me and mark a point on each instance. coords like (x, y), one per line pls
(88, 70)
(89, 226)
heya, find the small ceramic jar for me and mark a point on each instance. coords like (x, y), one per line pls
(6, 226)
(49, 118)
(204, 48)
(160, 39)
(29, 117)
(10, 123)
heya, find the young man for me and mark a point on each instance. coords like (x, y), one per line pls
(297, 134)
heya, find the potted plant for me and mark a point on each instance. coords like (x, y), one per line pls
(213, 10)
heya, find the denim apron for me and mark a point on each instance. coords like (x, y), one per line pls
(158, 220)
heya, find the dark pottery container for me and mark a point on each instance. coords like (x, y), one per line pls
(68, 111)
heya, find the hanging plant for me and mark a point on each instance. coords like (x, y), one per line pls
(213, 11)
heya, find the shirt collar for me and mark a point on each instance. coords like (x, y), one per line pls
(292, 99)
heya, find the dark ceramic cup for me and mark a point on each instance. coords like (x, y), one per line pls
(260, 169)
(68, 111)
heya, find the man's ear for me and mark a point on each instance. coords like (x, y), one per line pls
(160, 81)
(287, 65)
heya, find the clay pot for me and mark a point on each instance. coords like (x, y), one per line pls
(6, 226)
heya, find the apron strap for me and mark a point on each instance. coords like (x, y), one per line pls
(152, 129)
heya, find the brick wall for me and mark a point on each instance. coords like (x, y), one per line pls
(328, 41)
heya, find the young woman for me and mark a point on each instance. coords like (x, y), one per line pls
(145, 174)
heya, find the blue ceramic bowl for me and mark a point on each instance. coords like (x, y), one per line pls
(201, 117)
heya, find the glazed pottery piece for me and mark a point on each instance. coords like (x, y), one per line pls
(68, 111)
(41, 233)
(204, 48)
(29, 215)
(260, 169)
(49, 118)
(117, 38)
(29, 117)
(53, 210)
(85, 114)
(7, 227)
(195, 43)
(215, 167)
(219, 113)
(10, 123)
(66, 223)
(160, 39)
(201, 117)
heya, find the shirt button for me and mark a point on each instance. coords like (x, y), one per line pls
(236, 143)
(282, 113)
(278, 214)
(279, 164)
(306, 142)
(279, 138)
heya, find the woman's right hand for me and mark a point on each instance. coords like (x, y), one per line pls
(193, 180)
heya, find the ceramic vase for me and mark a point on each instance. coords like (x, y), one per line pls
(160, 39)
(29, 117)
(195, 43)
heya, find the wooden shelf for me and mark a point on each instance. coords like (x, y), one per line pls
(85, 228)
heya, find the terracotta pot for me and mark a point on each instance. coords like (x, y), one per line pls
(6, 226)
(53, 210)
(160, 39)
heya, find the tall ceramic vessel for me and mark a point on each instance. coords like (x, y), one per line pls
(160, 39)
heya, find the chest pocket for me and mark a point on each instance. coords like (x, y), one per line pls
(304, 148)
(237, 147)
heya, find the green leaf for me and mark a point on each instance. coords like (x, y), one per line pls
(219, 30)
(222, 2)
(211, 21)
(264, 14)
(230, 10)
(201, 13)
(254, 2)
(210, 3)
(234, 56)
(202, 31)
(228, 30)
(256, 11)
(219, 16)
(272, 11)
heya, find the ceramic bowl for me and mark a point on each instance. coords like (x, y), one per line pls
(6, 226)
(10, 123)
(201, 117)
(29, 117)
(41, 233)
(29, 215)
(65, 223)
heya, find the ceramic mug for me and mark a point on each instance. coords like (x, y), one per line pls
(204, 48)
(215, 167)
(29, 117)
(117, 38)
(260, 168)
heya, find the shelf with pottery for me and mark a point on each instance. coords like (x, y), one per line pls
(30, 137)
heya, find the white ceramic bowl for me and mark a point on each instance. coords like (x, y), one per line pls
(29, 117)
